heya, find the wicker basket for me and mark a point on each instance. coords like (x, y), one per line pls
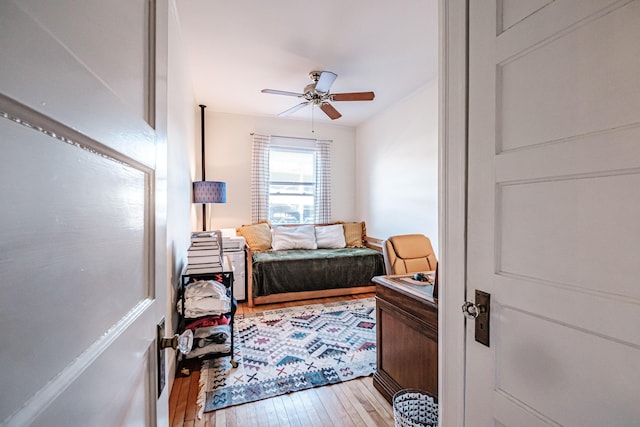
(414, 408)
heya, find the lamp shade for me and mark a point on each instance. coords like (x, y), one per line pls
(209, 192)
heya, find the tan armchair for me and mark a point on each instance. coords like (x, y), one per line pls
(408, 253)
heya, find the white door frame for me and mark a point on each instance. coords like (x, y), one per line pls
(452, 197)
(160, 414)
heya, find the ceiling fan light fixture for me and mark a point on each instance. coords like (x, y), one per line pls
(324, 81)
(309, 90)
(317, 93)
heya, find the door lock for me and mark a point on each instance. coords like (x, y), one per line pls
(471, 310)
(479, 311)
(182, 342)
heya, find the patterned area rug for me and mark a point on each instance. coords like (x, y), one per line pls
(291, 349)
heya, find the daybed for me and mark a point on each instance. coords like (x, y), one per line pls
(289, 263)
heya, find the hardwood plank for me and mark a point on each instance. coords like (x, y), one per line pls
(252, 416)
(201, 422)
(231, 415)
(306, 295)
(173, 398)
(221, 419)
(305, 418)
(326, 406)
(281, 412)
(350, 409)
(266, 413)
(192, 396)
(370, 403)
(242, 413)
(207, 420)
(312, 406)
(292, 413)
(181, 406)
(382, 404)
(244, 309)
(363, 408)
(333, 405)
(344, 404)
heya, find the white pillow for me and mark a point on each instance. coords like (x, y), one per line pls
(301, 237)
(330, 236)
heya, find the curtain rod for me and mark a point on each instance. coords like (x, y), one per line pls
(294, 137)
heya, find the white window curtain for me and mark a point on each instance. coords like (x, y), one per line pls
(322, 199)
(260, 178)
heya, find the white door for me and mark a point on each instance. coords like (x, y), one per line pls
(554, 212)
(80, 156)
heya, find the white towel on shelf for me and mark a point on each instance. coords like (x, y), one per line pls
(205, 288)
(204, 298)
(205, 306)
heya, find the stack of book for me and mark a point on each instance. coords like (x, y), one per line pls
(204, 254)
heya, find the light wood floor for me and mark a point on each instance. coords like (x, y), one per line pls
(352, 403)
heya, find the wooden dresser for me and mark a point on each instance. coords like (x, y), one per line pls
(407, 336)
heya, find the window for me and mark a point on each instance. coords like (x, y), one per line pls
(291, 180)
(292, 185)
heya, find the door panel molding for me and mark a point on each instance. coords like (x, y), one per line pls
(47, 75)
(550, 23)
(527, 211)
(23, 115)
(550, 354)
(56, 242)
(524, 99)
(511, 12)
(33, 409)
(613, 149)
(582, 308)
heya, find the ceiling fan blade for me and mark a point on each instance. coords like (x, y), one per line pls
(353, 96)
(282, 92)
(330, 111)
(325, 81)
(294, 109)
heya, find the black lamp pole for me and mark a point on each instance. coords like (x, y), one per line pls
(204, 206)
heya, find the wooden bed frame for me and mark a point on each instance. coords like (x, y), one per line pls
(369, 242)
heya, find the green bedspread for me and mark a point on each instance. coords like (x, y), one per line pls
(277, 272)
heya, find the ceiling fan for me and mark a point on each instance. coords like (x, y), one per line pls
(317, 93)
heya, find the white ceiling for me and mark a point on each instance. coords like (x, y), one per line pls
(236, 48)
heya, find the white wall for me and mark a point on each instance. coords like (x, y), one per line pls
(228, 158)
(397, 168)
(180, 172)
